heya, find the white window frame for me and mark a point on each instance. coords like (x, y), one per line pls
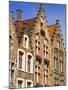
(30, 82)
(23, 62)
(23, 80)
(31, 67)
(26, 36)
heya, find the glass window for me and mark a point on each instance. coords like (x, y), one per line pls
(20, 83)
(29, 63)
(25, 41)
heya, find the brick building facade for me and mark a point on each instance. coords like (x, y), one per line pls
(36, 52)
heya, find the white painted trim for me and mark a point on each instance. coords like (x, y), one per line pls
(31, 62)
(26, 36)
(29, 81)
(23, 62)
(23, 85)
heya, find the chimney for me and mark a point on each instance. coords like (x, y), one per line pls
(19, 15)
(57, 22)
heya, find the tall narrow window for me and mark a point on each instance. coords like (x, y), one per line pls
(20, 83)
(37, 71)
(20, 59)
(55, 80)
(55, 63)
(37, 47)
(44, 51)
(11, 72)
(45, 48)
(26, 41)
(46, 74)
(61, 65)
(29, 63)
(11, 76)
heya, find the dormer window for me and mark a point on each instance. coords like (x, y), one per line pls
(26, 41)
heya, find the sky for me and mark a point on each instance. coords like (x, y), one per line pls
(52, 12)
